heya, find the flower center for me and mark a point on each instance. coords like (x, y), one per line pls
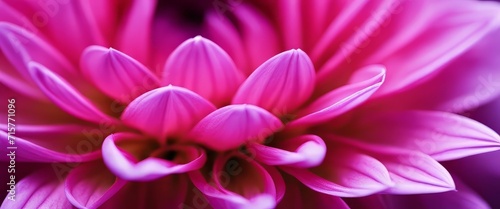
(186, 12)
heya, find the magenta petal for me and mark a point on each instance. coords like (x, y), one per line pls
(20, 47)
(413, 172)
(200, 65)
(66, 96)
(33, 152)
(345, 172)
(125, 166)
(233, 125)
(444, 136)
(281, 84)
(301, 151)
(363, 84)
(450, 30)
(463, 198)
(41, 189)
(221, 31)
(166, 112)
(290, 17)
(255, 28)
(135, 31)
(90, 185)
(14, 73)
(239, 182)
(116, 74)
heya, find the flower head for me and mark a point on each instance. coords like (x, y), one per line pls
(248, 106)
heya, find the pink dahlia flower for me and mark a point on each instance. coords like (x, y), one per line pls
(283, 104)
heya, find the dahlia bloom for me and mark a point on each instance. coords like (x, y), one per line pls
(282, 104)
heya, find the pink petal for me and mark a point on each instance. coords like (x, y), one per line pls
(221, 31)
(301, 151)
(413, 172)
(239, 182)
(463, 198)
(233, 125)
(472, 70)
(345, 172)
(358, 24)
(200, 65)
(51, 113)
(444, 136)
(105, 14)
(127, 167)
(51, 143)
(135, 31)
(450, 32)
(64, 95)
(167, 192)
(363, 84)
(346, 14)
(54, 18)
(90, 185)
(116, 74)
(178, 32)
(11, 15)
(12, 77)
(281, 84)
(255, 28)
(291, 22)
(41, 189)
(20, 46)
(166, 112)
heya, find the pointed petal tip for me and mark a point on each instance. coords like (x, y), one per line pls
(199, 38)
(202, 66)
(281, 84)
(233, 125)
(162, 112)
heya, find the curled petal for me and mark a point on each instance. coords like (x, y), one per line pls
(301, 151)
(41, 189)
(345, 172)
(66, 96)
(166, 112)
(231, 126)
(239, 182)
(126, 165)
(444, 136)
(281, 84)
(412, 172)
(363, 84)
(200, 65)
(91, 184)
(116, 74)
